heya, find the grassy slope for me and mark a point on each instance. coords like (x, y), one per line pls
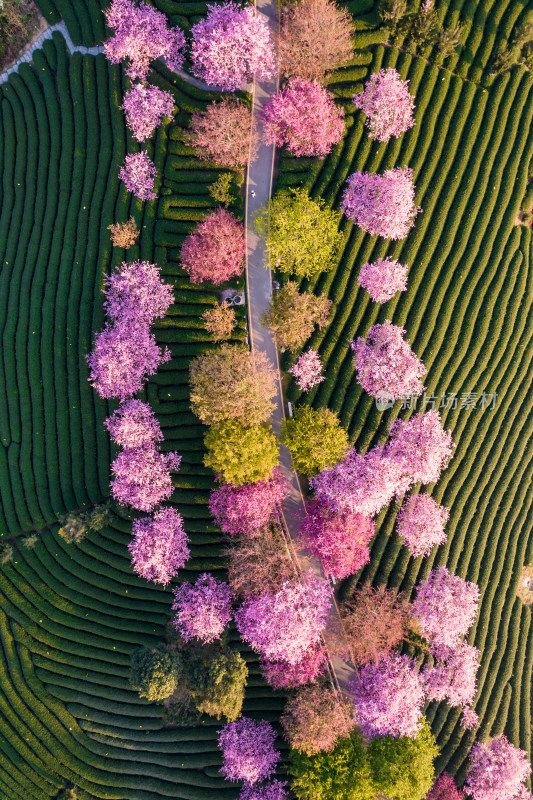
(70, 616)
(467, 311)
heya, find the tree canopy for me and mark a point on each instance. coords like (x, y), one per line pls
(301, 234)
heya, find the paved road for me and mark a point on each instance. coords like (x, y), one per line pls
(259, 290)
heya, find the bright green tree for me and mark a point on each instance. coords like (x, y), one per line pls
(240, 454)
(301, 234)
(155, 672)
(395, 768)
(218, 684)
(315, 439)
(403, 768)
(342, 773)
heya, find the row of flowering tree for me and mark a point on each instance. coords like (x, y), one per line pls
(278, 614)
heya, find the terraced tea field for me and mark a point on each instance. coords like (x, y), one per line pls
(468, 313)
(71, 615)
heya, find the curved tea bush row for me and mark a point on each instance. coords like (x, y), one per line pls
(71, 615)
(58, 187)
(468, 314)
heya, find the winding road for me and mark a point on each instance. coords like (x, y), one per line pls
(260, 174)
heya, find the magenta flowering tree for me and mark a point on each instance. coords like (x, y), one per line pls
(469, 719)
(123, 356)
(141, 34)
(420, 446)
(339, 539)
(134, 424)
(445, 607)
(145, 107)
(214, 251)
(159, 545)
(386, 366)
(388, 697)
(453, 675)
(282, 675)
(420, 524)
(248, 750)
(382, 204)
(383, 278)
(303, 117)
(142, 477)
(361, 484)
(283, 626)
(244, 510)
(445, 789)
(138, 173)
(230, 45)
(387, 104)
(498, 771)
(307, 371)
(135, 293)
(273, 790)
(203, 609)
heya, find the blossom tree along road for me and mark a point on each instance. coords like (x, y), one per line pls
(259, 294)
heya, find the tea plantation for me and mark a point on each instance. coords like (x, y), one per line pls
(70, 615)
(468, 312)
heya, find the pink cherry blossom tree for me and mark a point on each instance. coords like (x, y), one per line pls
(282, 675)
(215, 250)
(223, 133)
(386, 366)
(142, 477)
(248, 750)
(445, 607)
(123, 356)
(203, 609)
(382, 204)
(159, 545)
(230, 45)
(145, 107)
(339, 539)
(244, 510)
(420, 446)
(469, 719)
(445, 789)
(388, 697)
(387, 104)
(135, 293)
(141, 34)
(134, 424)
(303, 117)
(283, 626)
(307, 371)
(383, 278)
(497, 771)
(420, 524)
(453, 675)
(315, 718)
(362, 484)
(274, 790)
(138, 173)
